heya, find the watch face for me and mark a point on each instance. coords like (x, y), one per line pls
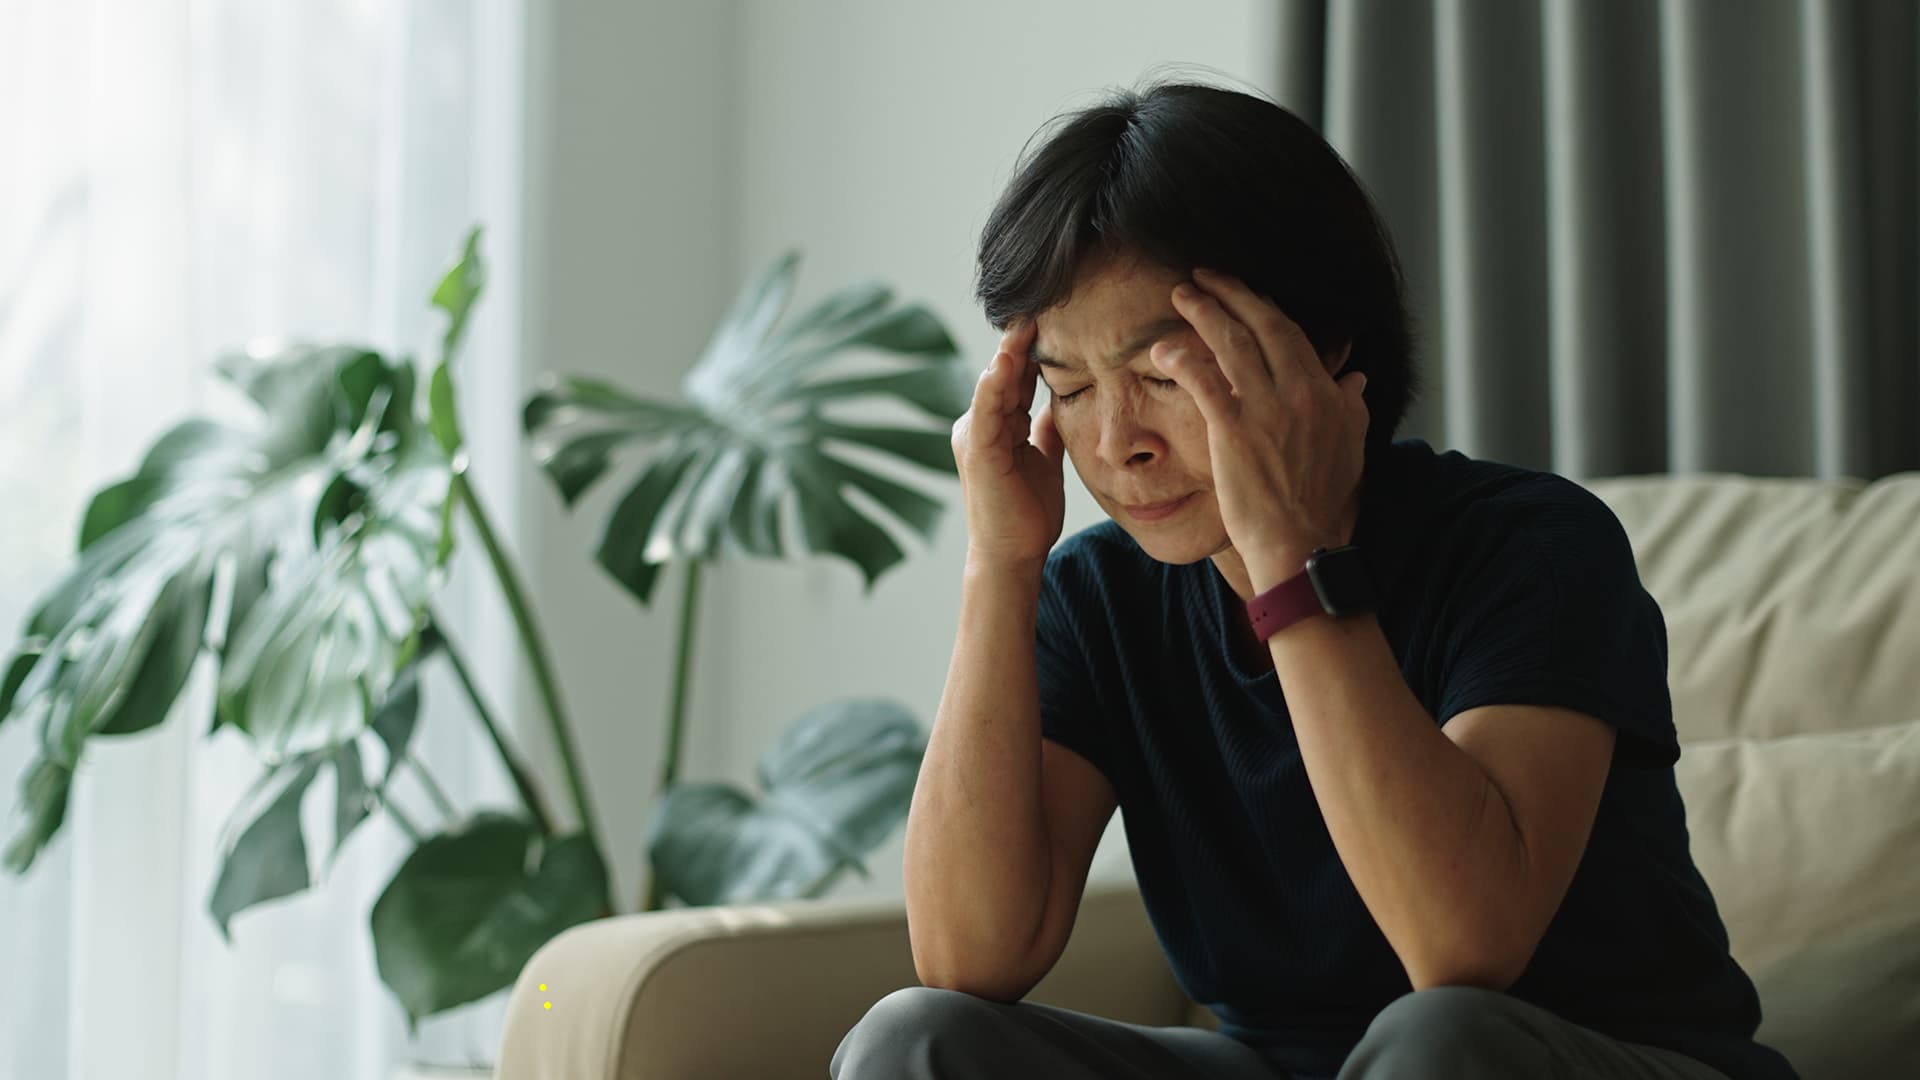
(1342, 581)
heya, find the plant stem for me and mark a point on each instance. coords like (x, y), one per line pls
(393, 811)
(522, 776)
(435, 792)
(677, 709)
(682, 668)
(535, 648)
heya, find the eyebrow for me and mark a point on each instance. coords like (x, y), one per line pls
(1148, 334)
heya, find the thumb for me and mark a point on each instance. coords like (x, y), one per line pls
(1045, 437)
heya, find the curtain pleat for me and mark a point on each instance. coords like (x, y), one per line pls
(1642, 236)
(1491, 292)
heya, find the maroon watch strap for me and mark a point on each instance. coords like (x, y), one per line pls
(1283, 605)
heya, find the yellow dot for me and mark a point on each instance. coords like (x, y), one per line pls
(543, 986)
(546, 1004)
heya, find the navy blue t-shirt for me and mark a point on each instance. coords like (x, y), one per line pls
(1499, 586)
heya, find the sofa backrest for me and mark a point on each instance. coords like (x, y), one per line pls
(1793, 622)
(1792, 606)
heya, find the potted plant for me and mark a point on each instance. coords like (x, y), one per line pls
(299, 552)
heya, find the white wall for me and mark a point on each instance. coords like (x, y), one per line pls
(875, 136)
(631, 232)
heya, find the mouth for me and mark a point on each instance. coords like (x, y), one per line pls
(1157, 511)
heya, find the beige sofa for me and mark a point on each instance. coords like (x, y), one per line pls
(1793, 614)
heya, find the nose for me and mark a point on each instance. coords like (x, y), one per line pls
(1124, 440)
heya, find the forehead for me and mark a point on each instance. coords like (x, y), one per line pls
(1113, 314)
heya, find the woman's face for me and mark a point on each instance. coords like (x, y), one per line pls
(1134, 437)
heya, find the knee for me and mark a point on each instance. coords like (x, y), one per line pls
(916, 1031)
(1442, 1032)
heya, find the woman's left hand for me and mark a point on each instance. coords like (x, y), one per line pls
(1287, 440)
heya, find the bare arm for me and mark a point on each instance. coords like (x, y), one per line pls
(1004, 823)
(1462, 840)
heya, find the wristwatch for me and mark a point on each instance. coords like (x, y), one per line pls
(1335, 582)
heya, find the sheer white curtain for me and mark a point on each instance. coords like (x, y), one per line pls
(176, 177)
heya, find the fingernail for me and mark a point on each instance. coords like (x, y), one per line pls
(1203, 272)
(1185, 291)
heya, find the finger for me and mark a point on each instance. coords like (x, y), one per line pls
(1199, 377)
(1017, 342)
(1235, 346)
(986, 424)
(1028, 381)
(1281, 340)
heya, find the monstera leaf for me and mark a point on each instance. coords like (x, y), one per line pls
(835, 786)
(751, 436)
(468, 909)
(294, 549)
(266, 858)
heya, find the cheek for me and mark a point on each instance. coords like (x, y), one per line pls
(1077, 432)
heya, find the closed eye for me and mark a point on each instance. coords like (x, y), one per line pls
(1065, 398)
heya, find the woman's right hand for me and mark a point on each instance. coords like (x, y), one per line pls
(1011, 463)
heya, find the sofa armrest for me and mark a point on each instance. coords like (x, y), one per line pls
(768, 990)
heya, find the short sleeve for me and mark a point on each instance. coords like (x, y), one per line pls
(1554, 614)
(1068, 706)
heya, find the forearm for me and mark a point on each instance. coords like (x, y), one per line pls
(977, 857)
(1425, 835)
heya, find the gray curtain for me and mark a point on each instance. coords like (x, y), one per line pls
(1642, 236)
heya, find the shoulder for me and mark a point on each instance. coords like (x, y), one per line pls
(1496, 514)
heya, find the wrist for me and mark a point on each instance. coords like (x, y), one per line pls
(1333, 581)
(1270, 568)
(984, 566)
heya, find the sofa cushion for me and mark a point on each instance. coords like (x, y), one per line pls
(1791, 605)
(1848, 1007)
(1811, 844)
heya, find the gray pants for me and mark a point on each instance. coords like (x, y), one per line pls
(1438, 1034)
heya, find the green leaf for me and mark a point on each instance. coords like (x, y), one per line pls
(330, 635)
(829, 523)
(442, 418)
(578, 463)
(352, 799)
(842, 312)
(116, 504)
(708, 506)
(931, 449)
(469, 908)
(269, 860)
(577, 460)
(377, 397)
(945, 392)
(24, 658)
(747, 323)
(457, 292)
(754, 520)
(393, 722)
(905, 330)
(319, 515)
(624, 546)
(917, 509)
(175, 640)
(742, 461)
(837, 784)
(43, 794)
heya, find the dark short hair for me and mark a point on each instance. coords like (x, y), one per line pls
(1186, 176)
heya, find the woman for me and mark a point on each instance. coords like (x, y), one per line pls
(1390, 727)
